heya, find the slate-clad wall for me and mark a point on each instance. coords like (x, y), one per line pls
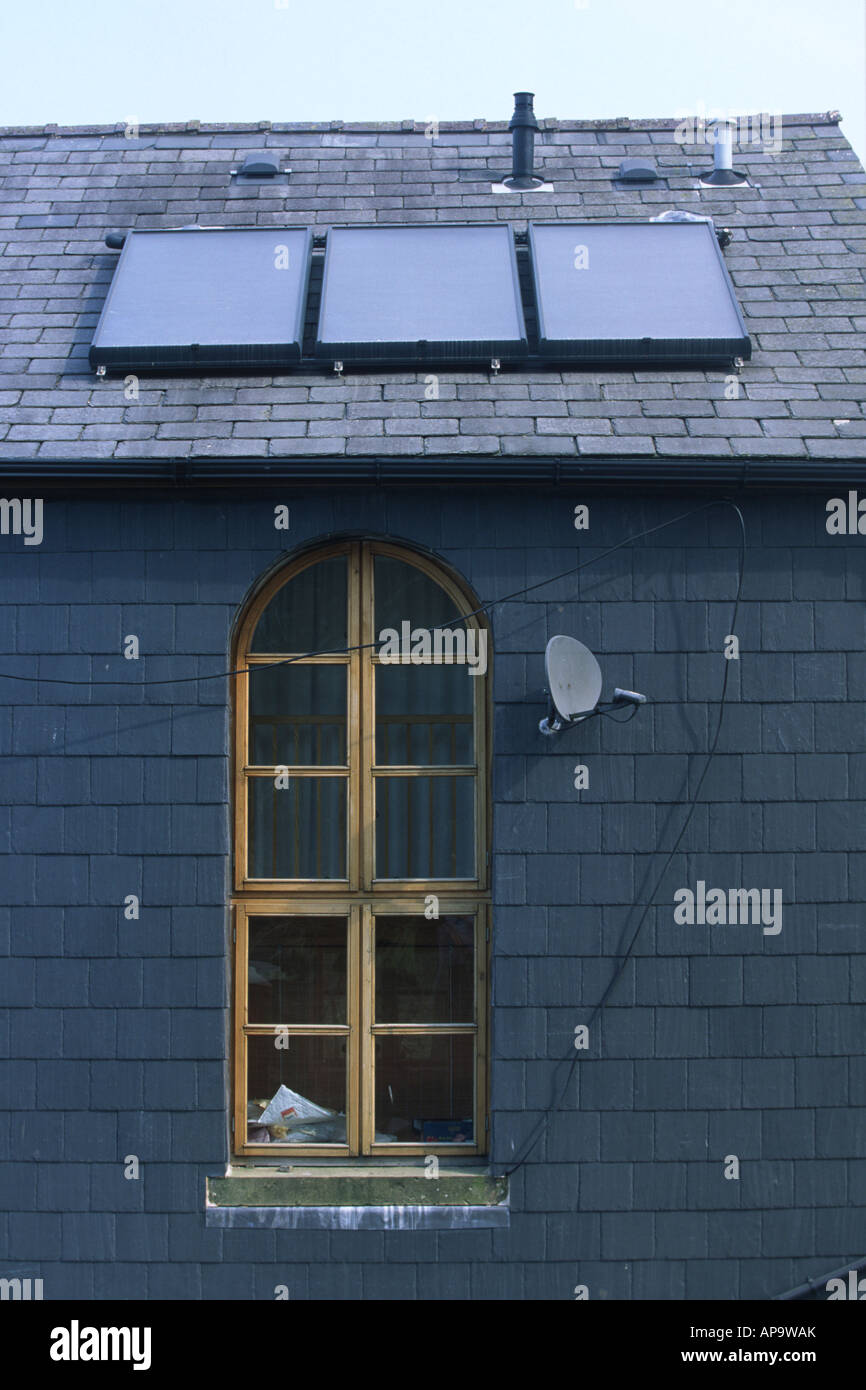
(718, 1040)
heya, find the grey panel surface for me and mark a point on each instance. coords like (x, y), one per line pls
(206, 298)
(420, 293)
(634, 291)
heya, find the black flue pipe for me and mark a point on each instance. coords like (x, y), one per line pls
(523, 126)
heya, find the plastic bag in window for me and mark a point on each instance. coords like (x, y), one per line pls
(290, 1109)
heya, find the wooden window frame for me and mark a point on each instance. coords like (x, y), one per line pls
(360, 896)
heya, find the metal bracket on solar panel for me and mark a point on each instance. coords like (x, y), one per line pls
(100, 370)
(338, 367)
(495, 364)
(739, 364)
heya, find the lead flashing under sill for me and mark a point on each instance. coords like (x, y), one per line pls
(392, 1218)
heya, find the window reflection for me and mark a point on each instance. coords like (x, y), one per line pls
(425, 970)
(297, 970)
(424, 715)
(308, 613)
(404, 592)
(297, 830)
(424, 1088)
(425, 827)
(297, 715)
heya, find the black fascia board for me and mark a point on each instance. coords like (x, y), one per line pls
(649, 473)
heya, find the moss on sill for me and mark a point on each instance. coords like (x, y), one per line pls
(334, 1187)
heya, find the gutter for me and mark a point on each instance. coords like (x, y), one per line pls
(651, 474)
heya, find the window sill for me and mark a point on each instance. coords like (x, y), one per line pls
(332, 1199)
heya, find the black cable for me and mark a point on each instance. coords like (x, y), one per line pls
(609, 714)
(182, 680)
(541, 1124)
(363, 646)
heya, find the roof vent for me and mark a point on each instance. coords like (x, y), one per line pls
(724, 174)
(523, 126)
(637, 171)
(259, 166)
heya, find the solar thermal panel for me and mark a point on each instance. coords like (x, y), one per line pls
(420, 294)
(202, 298)
(650, 292)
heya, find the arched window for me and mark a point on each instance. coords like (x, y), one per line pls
(361, 862)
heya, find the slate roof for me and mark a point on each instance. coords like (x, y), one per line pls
(797, 261)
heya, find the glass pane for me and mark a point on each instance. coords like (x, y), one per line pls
(425, 827)
(297, 715)
(425, 971)
(406, 594)
(308, 613)
(425, 1089)
(424, 714)
(297, 970)
(298, 831)
(296, 1093)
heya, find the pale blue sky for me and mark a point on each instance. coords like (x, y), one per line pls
(88, 61)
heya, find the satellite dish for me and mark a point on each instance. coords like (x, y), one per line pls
(573, 678)
(574, 682)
